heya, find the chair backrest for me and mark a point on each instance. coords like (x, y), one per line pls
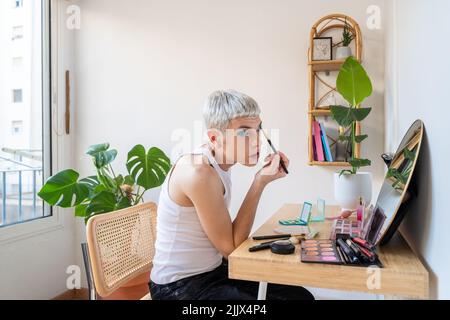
(121, 245)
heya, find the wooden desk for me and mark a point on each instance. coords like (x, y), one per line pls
(403, 274)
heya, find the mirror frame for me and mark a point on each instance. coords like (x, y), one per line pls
(405, 202)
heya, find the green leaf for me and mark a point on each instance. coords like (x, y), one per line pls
(345, 116)
(342, 115)
(397, 175)
(91, 182)
(80, 210)
(358, 163)
(391, 172)
(129, 180)
(345, 171)
(148, 170)
(353, 83)
(119, 180)
(359, 114)
(100, 188)
(101, 155)
(64, 190)
(96, 148)
(408, 154)
(106, 201)
(106, 179)
(359, 139)
(344, 138)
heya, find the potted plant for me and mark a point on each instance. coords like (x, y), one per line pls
(355, 86)
(105, 191)
(345, 51)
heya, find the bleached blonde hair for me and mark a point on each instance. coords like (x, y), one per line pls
(225, 105)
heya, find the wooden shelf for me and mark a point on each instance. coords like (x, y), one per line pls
(322, 28)
(317, 112)
(329, 164)
(331, 65)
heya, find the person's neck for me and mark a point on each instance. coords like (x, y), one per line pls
(223, 166)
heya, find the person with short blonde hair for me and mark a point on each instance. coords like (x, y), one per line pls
(195, 232)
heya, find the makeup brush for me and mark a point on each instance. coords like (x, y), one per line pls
(274, 150)
(268, 244)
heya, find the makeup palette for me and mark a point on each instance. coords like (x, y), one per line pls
(348, 227)
(346, 245)
(326, 251)
(320, 251)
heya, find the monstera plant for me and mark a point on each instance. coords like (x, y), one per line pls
(105, 191)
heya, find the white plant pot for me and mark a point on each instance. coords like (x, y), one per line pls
(348, 188)
(343, 53)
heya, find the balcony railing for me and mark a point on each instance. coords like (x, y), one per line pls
(19, 184)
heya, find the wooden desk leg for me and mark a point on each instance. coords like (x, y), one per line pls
(262, 291)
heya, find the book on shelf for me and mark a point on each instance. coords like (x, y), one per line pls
(326, 145)
(314, 144)
(318, 141)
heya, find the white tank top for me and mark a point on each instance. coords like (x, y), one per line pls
(182, 247)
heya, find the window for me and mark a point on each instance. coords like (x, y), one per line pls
(16, 127)
(17, 96)
(17, 4)
(17, 62)
(17, 32)
(25, 145)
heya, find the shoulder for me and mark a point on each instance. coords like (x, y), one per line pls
(195, 171)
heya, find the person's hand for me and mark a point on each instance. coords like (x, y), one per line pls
(272, 169)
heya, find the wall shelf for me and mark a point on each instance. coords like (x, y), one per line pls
(329, 164)
(318, 113)
(316, 68)
(332, 65)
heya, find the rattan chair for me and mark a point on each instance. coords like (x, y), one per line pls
(121, 246)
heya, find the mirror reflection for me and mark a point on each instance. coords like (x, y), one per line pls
(394, 190)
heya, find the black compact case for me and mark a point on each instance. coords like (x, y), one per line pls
(282, 247)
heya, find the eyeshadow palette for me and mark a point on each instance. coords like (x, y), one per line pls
(320, 251)
(326, 251)
(345, 226)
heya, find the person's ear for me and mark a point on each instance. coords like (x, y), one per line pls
(214, 136)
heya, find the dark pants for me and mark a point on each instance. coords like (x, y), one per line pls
(215, 285)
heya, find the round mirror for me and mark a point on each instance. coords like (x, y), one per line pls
(396, 192)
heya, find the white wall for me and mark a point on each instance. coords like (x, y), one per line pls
(417, 87)
(144, 68)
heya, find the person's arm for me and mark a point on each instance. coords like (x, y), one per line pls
(207, 196)
(243, 223)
